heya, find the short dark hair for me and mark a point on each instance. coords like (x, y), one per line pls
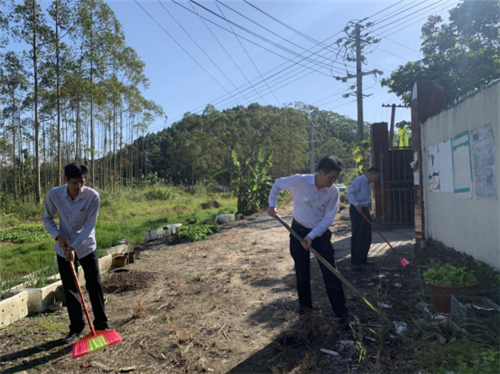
(75, 170)
(374, 170)
(329, 164)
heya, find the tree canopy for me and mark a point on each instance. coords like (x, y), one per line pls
(462, 55)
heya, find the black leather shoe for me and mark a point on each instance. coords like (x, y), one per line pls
(73, 337)
(346, 321)
(357, 267)
(369, 262)
(304, 310)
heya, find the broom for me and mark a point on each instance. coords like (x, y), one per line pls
(403, 260)
(96, 340)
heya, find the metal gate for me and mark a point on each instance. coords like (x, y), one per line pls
(397, 185)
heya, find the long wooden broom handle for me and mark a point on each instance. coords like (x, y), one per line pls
(329, 266)
(81, 297)
(382, 236)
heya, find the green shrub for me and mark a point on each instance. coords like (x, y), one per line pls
(460, 357)
(196, 232)
(343, 199)
(24, 234)
(448, 276)
(15, 211)
(159, 193)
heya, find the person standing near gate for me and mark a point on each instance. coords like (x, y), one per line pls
(359, 197)
(315, 204)
(78, 207)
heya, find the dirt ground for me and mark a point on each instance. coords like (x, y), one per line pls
(228, 304)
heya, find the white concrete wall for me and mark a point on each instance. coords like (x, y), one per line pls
(466, 225)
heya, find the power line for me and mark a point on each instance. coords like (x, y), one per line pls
(287, 26)
(405, 18)
(250, 41)
(417, 21)
(227, 53)
(180, 46)
(383, 10)
(335, 94)
(406, 26)
(392, 15)
(201, 49)
(257, 35)
(248, 55)
(258, 24)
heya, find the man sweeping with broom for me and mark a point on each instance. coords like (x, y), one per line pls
(315, 204)
(78, 207)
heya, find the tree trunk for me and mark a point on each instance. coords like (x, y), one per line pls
(58, 93)
(14, 148)
(21, 163)
(120, 166)
(38, 192)
(92, 144)
(77, 122)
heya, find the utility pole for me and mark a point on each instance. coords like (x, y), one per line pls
(359, 80)
(393, 116)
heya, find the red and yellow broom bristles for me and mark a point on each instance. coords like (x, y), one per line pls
(92, 343)
(96, 340)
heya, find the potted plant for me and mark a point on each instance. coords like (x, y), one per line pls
(448, 280)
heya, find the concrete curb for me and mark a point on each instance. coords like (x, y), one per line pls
(14, 308)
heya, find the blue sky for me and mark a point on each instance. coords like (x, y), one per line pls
(181, 85)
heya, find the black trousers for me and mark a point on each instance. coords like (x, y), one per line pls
(361, 238)
(90, 265)
(301, 257)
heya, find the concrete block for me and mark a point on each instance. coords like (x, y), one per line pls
(150, 235)
(105, 263)
(39, 299)
(173, 227)
(14, 308)
(344, 215)
(225, 218)
(154, 234)
(122, 248)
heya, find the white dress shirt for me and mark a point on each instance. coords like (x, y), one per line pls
(77, 218)
(312, 208)
(360, 191)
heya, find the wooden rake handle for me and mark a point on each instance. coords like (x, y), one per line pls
(404, 261)
(329, 266)
(81, 297)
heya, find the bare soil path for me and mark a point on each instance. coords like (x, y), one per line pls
(228, 305)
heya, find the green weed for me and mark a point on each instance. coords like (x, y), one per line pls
(196, 232)
(24, 234)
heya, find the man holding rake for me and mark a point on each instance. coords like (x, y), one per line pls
(359, 196)
(315, 204)
(78, 207)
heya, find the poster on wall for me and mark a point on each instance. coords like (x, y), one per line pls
(445, 166)
(433, 168)
(462, 167)
(483, 151)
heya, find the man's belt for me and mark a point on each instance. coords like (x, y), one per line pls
(301, 226)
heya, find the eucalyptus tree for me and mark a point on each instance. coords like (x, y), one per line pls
(29, 26)
(13, 87)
